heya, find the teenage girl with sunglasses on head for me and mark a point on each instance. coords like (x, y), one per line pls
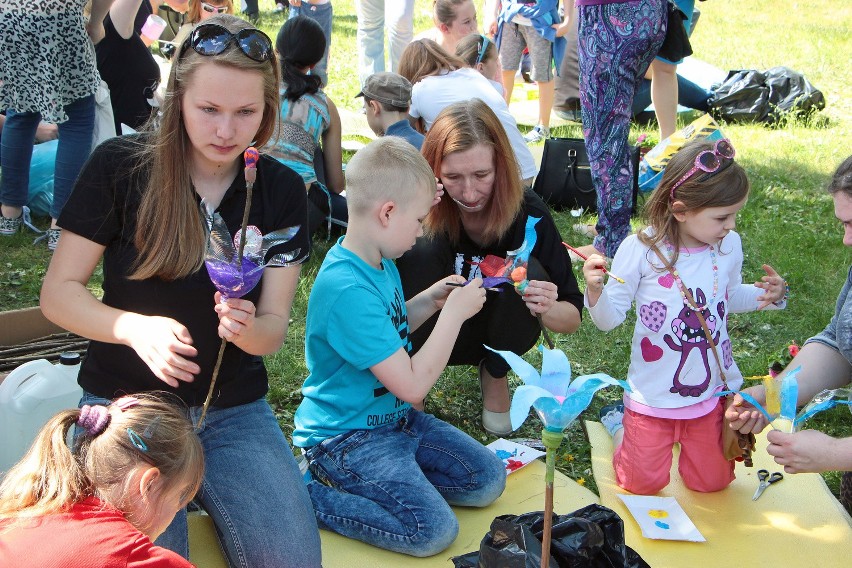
(138, 206)
(135, 463)
(480, 54)
(674, 369)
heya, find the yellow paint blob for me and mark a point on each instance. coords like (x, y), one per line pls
(658, 514)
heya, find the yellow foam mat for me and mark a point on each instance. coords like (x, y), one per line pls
(524, 493)
(797, 522)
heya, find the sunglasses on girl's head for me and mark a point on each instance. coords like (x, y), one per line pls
(483, 47)
(213, 9)
(709, 161)
(213, 39)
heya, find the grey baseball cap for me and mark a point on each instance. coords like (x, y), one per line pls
(388, 88)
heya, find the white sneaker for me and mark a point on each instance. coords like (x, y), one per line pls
(612, 417)
(537, 134)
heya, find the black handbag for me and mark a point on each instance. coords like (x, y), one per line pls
(564, 180)
(676, 44)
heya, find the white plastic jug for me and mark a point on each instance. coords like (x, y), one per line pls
(31, 395)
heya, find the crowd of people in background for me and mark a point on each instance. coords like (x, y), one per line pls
(446, 184)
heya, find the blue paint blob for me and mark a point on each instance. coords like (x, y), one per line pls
(662, 525)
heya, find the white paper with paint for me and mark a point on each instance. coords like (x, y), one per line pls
(661, 518)
(513, 455)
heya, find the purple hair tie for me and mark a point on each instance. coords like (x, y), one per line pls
(93, 419)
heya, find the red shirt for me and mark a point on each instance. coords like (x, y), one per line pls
(90, 534)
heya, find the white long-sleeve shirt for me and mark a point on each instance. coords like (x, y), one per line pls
(669, 350)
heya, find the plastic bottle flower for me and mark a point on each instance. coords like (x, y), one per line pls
(781, 398)
(236, 265)
(557, 401)
(233, 276)
(555, 398)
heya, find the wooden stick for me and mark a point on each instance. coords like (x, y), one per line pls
(548, 524)
(251, 176)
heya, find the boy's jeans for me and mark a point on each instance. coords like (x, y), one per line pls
(252, 489)
(392, 486)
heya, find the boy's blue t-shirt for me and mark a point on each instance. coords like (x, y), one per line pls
(356, 319)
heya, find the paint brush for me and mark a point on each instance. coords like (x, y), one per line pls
(460, 285)
(584, 257)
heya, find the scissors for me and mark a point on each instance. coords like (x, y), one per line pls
(765, 481)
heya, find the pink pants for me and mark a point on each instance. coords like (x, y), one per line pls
(643, 460)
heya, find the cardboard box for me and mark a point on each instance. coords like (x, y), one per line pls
(18, 326)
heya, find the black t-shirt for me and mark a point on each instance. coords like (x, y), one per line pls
(462, 258)
(548, 249)
(142, 16)
(103, 208)
(131, 73)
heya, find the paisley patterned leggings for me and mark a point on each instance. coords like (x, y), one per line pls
(617, 43)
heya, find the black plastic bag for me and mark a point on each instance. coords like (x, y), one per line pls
(749, 95)
(591, 537)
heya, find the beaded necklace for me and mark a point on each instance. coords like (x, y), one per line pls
(682, 287)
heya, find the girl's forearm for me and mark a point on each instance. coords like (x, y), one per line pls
(265, 337)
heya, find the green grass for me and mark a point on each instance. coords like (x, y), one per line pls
(787, 223)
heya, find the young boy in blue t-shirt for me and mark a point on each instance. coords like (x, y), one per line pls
(386, 473)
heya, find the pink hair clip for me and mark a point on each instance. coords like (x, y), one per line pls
(126, 402)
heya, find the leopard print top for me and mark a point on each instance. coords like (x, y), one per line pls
(47, 60)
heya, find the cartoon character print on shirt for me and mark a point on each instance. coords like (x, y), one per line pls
(688, 335)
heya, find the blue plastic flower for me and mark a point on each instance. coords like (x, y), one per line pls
(556, 399)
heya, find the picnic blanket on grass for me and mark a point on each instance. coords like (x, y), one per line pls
(796, 522)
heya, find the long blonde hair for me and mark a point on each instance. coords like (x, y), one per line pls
(170, 236)
(424, 57)
(51, 477)
(458, 128)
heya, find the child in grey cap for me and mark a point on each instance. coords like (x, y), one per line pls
(387, 97)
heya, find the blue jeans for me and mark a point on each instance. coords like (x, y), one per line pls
(689, 95)
(373, 15)
(392, 486)
(252, 490)
(75, 144)
(322, 13)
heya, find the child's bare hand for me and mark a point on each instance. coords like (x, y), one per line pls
(743, 416)
(467, 300)
(563, 28)
(540, 296)
(439, 193)
(440, 290)
(774, 287)
(593, 272)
